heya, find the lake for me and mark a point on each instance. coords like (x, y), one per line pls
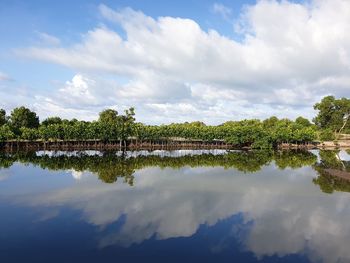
(175, 206)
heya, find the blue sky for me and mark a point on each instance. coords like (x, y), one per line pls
(173, 60)
(67, 20)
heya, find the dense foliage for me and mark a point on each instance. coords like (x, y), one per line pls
(333, 114)
(23, 117)
(23, 124)
(3, 119)
(111, 127)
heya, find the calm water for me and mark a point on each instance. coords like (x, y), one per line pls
(180, 206)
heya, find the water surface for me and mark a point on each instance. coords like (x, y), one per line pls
(179, 206)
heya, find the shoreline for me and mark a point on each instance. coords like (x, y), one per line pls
(74, 145)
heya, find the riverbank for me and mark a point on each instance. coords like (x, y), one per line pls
(116, 145)
(134, 144)
(326, 145)
(342, 144)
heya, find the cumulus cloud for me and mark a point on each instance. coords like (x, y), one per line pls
(85, 96)
(78, 98)
(291, 54)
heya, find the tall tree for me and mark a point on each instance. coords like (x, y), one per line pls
(52, 120)
(3, 119)
(303, 121)
(333, 113)
(126, 123)
(23, 117)
(270, 123)
(108, 116)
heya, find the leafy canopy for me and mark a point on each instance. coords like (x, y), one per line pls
(23, 117)
(332, 112)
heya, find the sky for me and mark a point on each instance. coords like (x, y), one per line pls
(174, 61)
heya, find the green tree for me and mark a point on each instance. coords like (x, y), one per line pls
(52, 120)
(23, 117)
(52, 131)
(29, 134)
(108, 116)
(303, 121)
(6, 133)
(3, 119)
(326, 135)
(126, 122)
(270, 123)
(332, 113)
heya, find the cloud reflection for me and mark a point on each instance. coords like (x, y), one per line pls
(288, 213)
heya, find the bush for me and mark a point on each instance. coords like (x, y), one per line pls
(29, 134)
(6, 133)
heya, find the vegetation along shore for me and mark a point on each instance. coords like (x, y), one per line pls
(23, 129)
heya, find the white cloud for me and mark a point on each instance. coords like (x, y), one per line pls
(4, 77)
(290, 56)
(222, 10)
(48, 39)
(84, 91)
(82, 98)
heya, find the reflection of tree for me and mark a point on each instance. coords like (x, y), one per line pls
(245, 161)
(6, 161)
(294, 159)
(329, 183)
(110, 166)
(248, 162)
(331, 159)
(332, 173)
(109, 169)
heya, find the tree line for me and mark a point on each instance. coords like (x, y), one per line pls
(332, 118)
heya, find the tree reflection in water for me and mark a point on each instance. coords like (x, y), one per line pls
(109, 166)
(334, 173)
